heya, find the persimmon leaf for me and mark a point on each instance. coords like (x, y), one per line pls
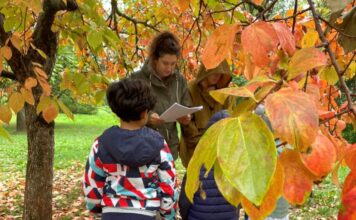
(6, 52)
(304, 60)
(5, 114)
(247, 144)
(285, 36)
(298, 180)
(219, 45)
(30, 82)
(65, 109)
(221, 95)
(294, 117)
(321, 157)
(28, 96)
(50, 112)
(16, 101)
(259, 39)
(310, 38)
(329, 74)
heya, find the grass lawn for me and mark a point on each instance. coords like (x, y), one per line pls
(73, 140)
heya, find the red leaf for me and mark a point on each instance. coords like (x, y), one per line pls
(219, 45)
(285, 36)
(259, 39)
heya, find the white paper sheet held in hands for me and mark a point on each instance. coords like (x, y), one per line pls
(176, 111)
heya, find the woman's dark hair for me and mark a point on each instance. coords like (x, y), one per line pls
(164, 43)
(128, 98)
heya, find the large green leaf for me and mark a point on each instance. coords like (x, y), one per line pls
(294, 117)
(94, 38)
(247, 156)
(204, 154)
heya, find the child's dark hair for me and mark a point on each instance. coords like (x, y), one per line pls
(128, 98)
(164, 43)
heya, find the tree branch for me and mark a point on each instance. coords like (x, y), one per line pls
(332, 57)
(337, 29)
(294, 13)
(289, 17)
(261, 14)
(144, 23)
(7, 74)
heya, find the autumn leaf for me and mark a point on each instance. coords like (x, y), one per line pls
(247, 144)
(44, 84)
(5, 114)
(183, 5)
(16, 41)
(50, 112)
(230, 193)
(304, 60)
(204, 154)
(30, 82)
(348, 209)
(28, 96)
(221, 95)
(320, 159)
(294, 117)
(6, 52)
(259, 39)
(329, 74)
(16, 101)
(43, 103)
(219, 45)
(350, 157)
(65, 109)
(270, 200)
(40, 72)
(310, 38)
(298, 180)
(285, 36)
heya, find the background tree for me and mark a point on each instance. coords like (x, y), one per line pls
(296, 63)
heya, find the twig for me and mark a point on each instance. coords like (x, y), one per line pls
(332, 57)
(289, 17)
(261, 14)
(294, 17)
(306, 82)
(347, 66)
(336, 115)
(144, 23)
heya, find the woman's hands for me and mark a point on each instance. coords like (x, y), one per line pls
(185, 119)
(156, 120)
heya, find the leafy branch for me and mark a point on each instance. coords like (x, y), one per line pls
(332, 57)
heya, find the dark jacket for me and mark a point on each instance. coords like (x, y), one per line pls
(214, 206)
(192, 132)
(130, 171)
(171, 90)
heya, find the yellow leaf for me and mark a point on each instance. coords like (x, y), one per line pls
(4, 133)
(329, 74)
(310, 38)
(28, 96)
(6, 52)
(5, 114)
(40, 52)
(50, 113)
(183, 5)
(65, 109)
(221, 95)
(44, 102)
(16, 102)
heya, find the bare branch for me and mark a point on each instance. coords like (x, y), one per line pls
(261, 14)
(290, 17)
(347, 66)
(7, 74)
(332, 57)
(144, 23)
(335, 116)
(294, 17)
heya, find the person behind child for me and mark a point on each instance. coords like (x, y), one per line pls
(130, 171)
(206, 81)
(167, 84)
(214, 206)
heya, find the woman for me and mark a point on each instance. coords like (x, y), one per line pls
(206, 81)
(167, 84)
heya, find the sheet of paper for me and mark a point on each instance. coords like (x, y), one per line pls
(176, 111)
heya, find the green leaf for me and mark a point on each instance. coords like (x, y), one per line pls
(94, 38)
(329, 74)
(230, 193)
(4, 134)
(204, 154)
(221, 95)
(241, 17)
(247, 156)
(99, 96)
(11, 23)
(65, 109)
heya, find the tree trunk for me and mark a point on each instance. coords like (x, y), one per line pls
(39, 173)
(21, 121)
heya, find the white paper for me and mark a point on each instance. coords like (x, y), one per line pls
(176, 111)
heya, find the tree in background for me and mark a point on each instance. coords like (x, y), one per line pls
(296, 63)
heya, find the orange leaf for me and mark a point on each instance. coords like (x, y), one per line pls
(6, 52)
(30, 82)
(258, 2)
(304, 60)
(219, 45)
(183, 5)
(348, 208)
(250, 70)
(259, 39)
(40, 72)
(45, 86)
(16, 41)
(298, 180)
(285, 36)
(50, 113)
(350, 157)
(28, 96)
(5, 114)
(294, 117)
(322, 157)
(270, 200)
(16, 101)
